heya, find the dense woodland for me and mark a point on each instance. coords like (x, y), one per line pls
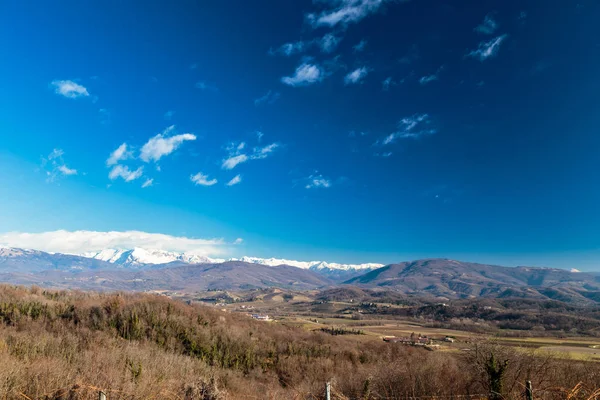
(67, 345)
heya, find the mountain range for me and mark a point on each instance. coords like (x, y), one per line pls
(142, 269)
(139, 258)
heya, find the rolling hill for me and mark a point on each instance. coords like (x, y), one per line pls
(456, 279)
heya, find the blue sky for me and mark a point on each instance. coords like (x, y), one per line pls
(348, 130)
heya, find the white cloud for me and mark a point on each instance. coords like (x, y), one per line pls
(160, 145)
(119, 154)
(238, 241)
(263, 152)
(317, 181)
(329, 43)
(488, 48)
(148, 183)
(236, 154)
(63, 169)
(122, 171)
(412, 127)
(236, 179)
(201, 179)
(344, 12)
(259, 135)
(305, 74)
(56, 154)
(387, 83)
(428, 79)
(289, 49)
(360, 46)
(55, 166)
(69, 89)
(431, 78)
(356, 76)
(488, 26)
(232, 161)
(79, 242)
(269, 98)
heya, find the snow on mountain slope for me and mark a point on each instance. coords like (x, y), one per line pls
(139, 256)
(273, 262)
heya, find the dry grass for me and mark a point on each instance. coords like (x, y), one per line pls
(68, 345)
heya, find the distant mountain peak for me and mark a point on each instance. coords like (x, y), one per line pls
(140, 256)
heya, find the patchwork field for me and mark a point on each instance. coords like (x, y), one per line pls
(301, 310)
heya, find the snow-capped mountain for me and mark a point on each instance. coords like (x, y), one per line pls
(33, 261)
(273, 262)
(139, 257)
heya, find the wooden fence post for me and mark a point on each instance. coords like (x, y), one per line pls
(528, 391)
(328, 391)
(101, 396)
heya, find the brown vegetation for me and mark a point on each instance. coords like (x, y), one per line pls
(67, 345)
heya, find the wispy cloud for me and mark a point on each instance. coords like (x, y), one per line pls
(356, 76)
(123, 172)
(387, 83)
(238, 155)
(317, 181)
(306, 74)
(63, 169)
(269, 98)
(344, 12)
(169, 115)
(259, 136)
(193, 66)
(412, 127)
(104, 116)
(232, 161)
(355, 134)
(488, 48)
(147, 183)
(206, 86)
(289, 49)
(360, 46)
(121, 153)
(522, 17)
(264, 152)
(79, 242)
(329, 43)
(428, 79)
(69, 89)
(162, 145)
(202, 179)
(424, 80)
(488, 26)
(236, 179)
(55, 167)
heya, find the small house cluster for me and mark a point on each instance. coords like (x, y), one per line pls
(418, 340)
(413, 340)
(261, 317)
